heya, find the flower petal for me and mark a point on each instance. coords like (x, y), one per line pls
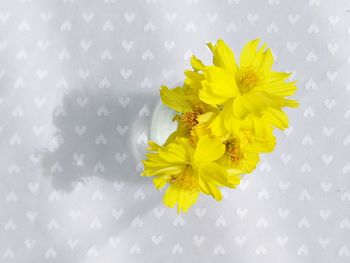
(206, 95)
(279, 88)
(248, 53)
(179, 151)
(183, 199)
(171, 196)
(241, 107)
(196, 63)
(186, 199)
(221, 82)
(192, 83)
(160, 181)
(161, 168)
(175, 99)
(277, 118)
(223, 56)
(217, 126)
(153, 146)
(267, 61)
(208, 150)
(210, 189)
(214, 173)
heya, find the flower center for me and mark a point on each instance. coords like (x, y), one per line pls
(189, 119)
(234, 151)
(248, 79)
(185, 180)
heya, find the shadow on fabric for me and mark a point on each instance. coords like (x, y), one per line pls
(99, 134)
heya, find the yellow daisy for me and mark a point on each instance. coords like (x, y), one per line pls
(189, 170)
(242, 150)
(250, 89)
(185, 98)
(191, 113)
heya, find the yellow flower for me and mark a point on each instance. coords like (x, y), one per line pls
(243, 149)
(189, 170)
(191, 113)
(226, 115)
(251, 89)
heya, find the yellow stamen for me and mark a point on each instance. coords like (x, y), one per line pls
(234, 151)
(199, 108)
(185, 180)
(189, 119)
(248, 79)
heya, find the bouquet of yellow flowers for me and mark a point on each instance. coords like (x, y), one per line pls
(226, 114)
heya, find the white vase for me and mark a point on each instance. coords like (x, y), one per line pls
(162, 124)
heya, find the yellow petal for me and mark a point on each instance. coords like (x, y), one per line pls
(174, 155)
(171, 196)
(261, 100)
(210, 189)
(153, 169)
(277, 118)
(152, 146)
(234, 177)
(175, 99)
(193, 82)
(183, 199)
(186, 199)
(206, 95)
(220, 82)
(275, 76)
(213, 172)
(217, 127)
(266, 61)
(227, 115)
(275, 101)
(241, 107)
(223, 56)
(248, 53)
(258, 59)
(249, 162)
(251, 56)
(170, 159)
(276, 84)
(263, 144)
(281, 89)
(208, 150)
(205, 117)
(259, 126)
(196, 63)
(160, 181)
(179, 151)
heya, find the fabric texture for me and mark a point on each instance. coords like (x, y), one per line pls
(79, 80)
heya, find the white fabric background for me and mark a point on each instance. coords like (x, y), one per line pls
(78, 82)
